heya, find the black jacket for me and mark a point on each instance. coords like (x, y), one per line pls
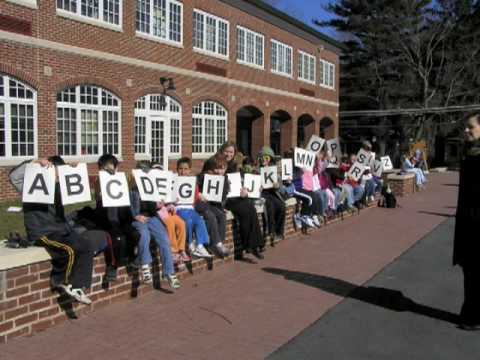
(41, 219)
(466, 250)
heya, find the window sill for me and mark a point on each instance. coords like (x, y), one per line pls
(32, 4)
(306, 81)
(257, 67)
(88, 159)
(14, 161)
(199, 156)
(289, 76)
(84, 19)
(211, 54)
(158, 40)
(327, 87)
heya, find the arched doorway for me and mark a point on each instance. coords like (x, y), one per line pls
(305, 129)
(250, 130)
(327, 128)
(281, 131)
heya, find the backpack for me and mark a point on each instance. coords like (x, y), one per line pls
(388, 199)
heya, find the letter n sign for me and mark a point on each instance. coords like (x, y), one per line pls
(39, 184)
(74, 184)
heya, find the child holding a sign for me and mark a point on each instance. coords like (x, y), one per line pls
(274, 203)
(210, 206)
(242, 208)
(148, 224)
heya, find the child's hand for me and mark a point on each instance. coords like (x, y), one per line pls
(243, 192)
(201, 198)
(141, 219)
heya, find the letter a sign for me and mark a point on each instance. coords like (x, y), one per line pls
(39, 184)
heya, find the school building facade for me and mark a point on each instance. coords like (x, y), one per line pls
(158, 79)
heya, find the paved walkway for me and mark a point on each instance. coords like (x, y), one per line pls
(247, 311)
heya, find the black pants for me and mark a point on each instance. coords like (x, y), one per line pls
(246, 215)
(470, 313)
(311, 205)
(276, 211)
(216, 221)
(121, 246)
(72, 256)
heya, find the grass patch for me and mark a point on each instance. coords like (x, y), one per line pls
(13, 222)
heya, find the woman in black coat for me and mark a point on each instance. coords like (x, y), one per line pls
(466, 249)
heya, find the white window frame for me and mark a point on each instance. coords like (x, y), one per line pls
(32, 4)
(215, 118)
(204, 49)
(328, 68)
(255, 34)
(285, 47)
(150, 36)
(90, 20)
(8, 101)
(169, 116)
(301, 56)
(90, 107)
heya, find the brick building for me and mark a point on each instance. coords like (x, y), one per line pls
(82, 77)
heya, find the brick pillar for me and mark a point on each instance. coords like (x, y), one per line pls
(310, 129)
(288, 138)
(260, 133)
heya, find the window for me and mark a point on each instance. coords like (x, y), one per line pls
(106, 11)
(327, 74)
(88, 121)
(160, 19)
(281, 58)
(151, 108)
(18, 119)
(209, 127)
(306, 67)
(210, 33)
(250, 47)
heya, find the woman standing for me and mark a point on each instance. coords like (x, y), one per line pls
(243, 209)
(466, 248)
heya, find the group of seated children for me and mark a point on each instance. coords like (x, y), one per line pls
(181, 231)
(415, 164)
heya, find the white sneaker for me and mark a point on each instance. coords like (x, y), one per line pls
(201, 252)
(316, 221)
(77, 294)
(372, 198)
(308, 221)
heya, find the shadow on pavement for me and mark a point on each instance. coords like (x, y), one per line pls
(389, 299)
(437, 214)
(454, 185)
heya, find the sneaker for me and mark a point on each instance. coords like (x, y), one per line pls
(185, 257)
(77, 294)
(307, 220)
(146, 274)
(173, 281)
(316, 221)
(297, 221)
(372, 198)
(201, 252)
(111, 274)
(222, 250)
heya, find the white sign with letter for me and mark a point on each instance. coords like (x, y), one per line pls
(387, 163)
(335, 151)
(356, 171)
(304, 159)
(287, 169)
(377, 168)
(39, 184)
(185, 189)
(74, 184)
(235, 185)
(146, 185)
(315, 144)
(114, 189)
(363, 157)
(213, 187)
(269, 176)
(163, 184)
(252, 183)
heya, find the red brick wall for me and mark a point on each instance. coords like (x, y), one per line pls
(27, 64)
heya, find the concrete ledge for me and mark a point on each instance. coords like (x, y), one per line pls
(401, 176)
(439, 170)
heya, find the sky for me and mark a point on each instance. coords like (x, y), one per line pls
(306, 11)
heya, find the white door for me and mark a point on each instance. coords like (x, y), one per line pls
(160, 144)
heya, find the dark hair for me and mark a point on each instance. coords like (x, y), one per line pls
(475, 115)
(56, 160)
(288, 154)
(184, 160)
(143, 165)
(228, 144)
(217, 161)
(106, 159)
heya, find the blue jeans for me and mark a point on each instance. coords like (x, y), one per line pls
(194, 222)
(350, 197)
(370, 186)
(323, 201)
(155, 228)
(357, 193)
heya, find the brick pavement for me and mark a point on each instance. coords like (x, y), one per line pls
(240, 311)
